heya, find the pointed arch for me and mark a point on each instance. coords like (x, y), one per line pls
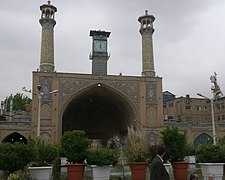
(203, 138)
(15, 137)
(100, 110)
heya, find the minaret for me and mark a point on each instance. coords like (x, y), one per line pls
(146, 30)
(47, 22)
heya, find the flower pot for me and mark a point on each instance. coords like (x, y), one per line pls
(215, 168)
(138, 170)
(168, 167)
(41, 173)
(75, 171)
(100, 172)
(180, 170)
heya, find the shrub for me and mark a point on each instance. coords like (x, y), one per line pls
(44, 152)
(14, 156)
(74, 145)
(102, 157)
(175, 142)
(136, 146)
(209, 153)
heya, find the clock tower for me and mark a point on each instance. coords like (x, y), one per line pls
(99, 55)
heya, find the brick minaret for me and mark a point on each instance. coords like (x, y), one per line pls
(146, 30)
(47, 22)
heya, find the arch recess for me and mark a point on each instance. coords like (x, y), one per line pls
(203, 138)
(101, 111)
(15, 137)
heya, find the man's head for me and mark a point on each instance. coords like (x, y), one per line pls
(161, 150)
(211, 176)
(194, 176)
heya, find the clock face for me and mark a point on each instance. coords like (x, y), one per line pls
(99, 46)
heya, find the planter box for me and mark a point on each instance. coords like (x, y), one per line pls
(215, 168)
(41, 173)
(101, 173)
(168, 167)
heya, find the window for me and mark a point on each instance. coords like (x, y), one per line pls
(198, 119)
(188, 107)
(218, 106)
(204, 108)
(218, 118)
(198, 108)
(223, 117)
(171, 105)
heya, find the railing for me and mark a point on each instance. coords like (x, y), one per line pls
(17, 122)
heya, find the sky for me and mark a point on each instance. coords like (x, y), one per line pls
(188, 42)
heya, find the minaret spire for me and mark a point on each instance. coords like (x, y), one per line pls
(146, 30)
(47, 22)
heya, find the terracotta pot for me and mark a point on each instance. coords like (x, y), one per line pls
(138, 170)
(75, 171)
(180, 170)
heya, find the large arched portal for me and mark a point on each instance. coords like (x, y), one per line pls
(100, 112)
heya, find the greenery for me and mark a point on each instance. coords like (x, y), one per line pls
(175, 142)
(190, 150)
(19, 102)
(14, 156)
(102, 157)
(136, 146)
(209, 153)
(13, 176)
(74, 145)
(44, 152)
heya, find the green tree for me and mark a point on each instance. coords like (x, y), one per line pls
(19, 101)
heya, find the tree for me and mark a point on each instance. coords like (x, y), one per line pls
(19, 101)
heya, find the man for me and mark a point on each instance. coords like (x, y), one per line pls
(211, 176)
(157, 168)
(194, 176)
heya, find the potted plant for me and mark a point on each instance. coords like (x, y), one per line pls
(101, 161)
(137, 153)
(44, 155)
(74, 145)
(190, 152)
(176, 143)
(14, 156)
(211, 158)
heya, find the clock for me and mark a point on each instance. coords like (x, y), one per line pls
(99, 46)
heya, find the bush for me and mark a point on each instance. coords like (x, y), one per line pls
(209, 153)
(44, 152)
(14, 156)
(102, 157)
(175, 142)
(190, 150)
(74, 145)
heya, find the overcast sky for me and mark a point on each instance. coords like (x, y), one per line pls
(188, 42)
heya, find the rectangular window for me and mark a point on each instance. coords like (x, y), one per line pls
(188, 107)
(204, 108)
(223, 117)
(218, 118)
(218, 106)
(198, 108)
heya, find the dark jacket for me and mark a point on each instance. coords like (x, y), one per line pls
(158, 170)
